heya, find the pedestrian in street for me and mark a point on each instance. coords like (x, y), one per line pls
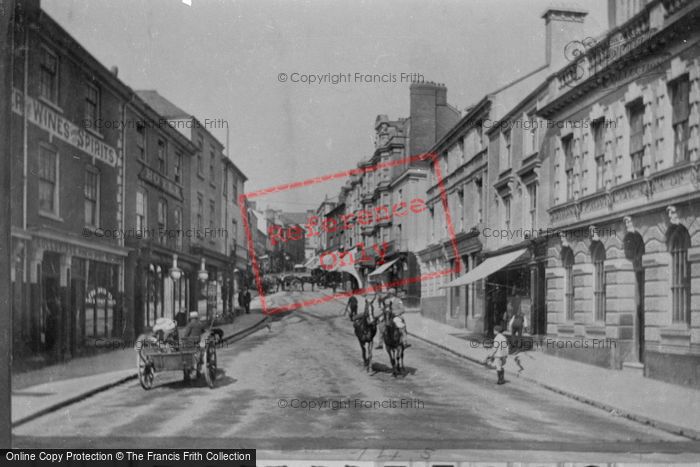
(516, 325)
(352, 305)
(499, 354)
(244, 299)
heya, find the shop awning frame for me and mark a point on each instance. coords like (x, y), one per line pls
(485, 269)
(383, 268)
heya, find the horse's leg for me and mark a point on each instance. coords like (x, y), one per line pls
(364, 356)
(369, 355)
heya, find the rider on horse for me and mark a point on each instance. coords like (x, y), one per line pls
(392, 317)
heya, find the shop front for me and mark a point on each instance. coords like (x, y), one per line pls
(67, 295)
(517, 286)
(162, 282)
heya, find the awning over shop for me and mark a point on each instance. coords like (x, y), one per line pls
(313, 263)
(486, 268)
(383, 268)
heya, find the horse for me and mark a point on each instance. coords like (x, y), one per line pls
(365, 329)
(394, 346)
(391, 334)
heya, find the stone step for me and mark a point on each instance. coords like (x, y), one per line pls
(633, 368)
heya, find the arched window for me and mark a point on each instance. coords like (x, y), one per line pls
(567, 260)
(678, 242)
(598, 258)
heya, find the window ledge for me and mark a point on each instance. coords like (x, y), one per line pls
(51, 215)
(675, 330)
(596, 328)
(48, 103)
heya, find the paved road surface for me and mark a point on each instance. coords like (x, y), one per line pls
(311, 356)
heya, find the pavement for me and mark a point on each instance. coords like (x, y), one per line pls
(37, 392)
(622, 393)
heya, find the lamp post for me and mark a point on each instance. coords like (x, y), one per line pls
(203, 275)
(176, 275)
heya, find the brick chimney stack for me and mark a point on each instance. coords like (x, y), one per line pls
(431, 116)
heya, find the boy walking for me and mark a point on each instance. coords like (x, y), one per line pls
(500, 353)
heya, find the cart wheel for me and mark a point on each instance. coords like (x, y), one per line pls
(210, 364)
(146, 373)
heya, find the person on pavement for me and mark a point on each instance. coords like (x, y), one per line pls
(500, 353)
(352, 305)
(244, 299)
(516, 325)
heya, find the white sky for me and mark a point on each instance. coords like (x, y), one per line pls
(221, 59)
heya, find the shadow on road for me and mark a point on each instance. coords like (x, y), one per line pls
(222, 380)
(382, 368)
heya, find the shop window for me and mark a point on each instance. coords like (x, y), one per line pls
(505, 151)
(234, 189)
(479, 201)
(200, 213)
(506, 212)
(597, 129)
(177, 224)
(212, 166)
(532, 195)
(636, 119)
(678, 244)
(99, 310)
(141, 211)
(212, 214)
(92, 196)
(48, 79)
(48, 180)
(567, 258)
(177, 169)
(141, 141)
(162, 161)
(162, 219)
(200, 155)
(598, 258)
(92, 104)
(679, 91)
(567, 145)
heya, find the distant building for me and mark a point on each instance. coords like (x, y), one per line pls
(233, 185)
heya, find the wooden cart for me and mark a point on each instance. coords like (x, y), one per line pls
(188, 355)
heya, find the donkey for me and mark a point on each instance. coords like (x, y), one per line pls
(365, 330)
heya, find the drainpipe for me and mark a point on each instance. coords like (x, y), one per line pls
(25, 91)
